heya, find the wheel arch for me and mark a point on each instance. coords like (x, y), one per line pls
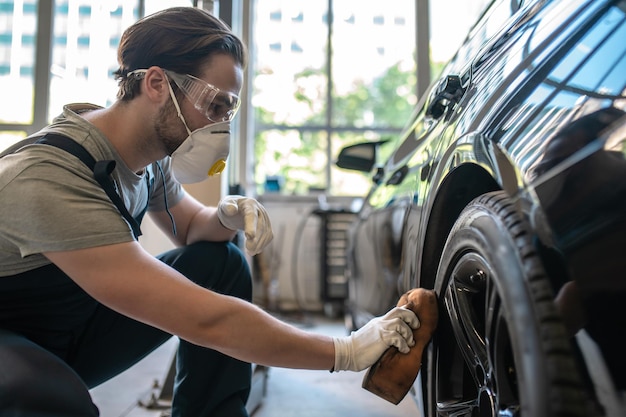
(464, 183)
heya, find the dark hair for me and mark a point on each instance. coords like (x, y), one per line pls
(180, 39)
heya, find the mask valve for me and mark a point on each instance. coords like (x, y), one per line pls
(217, 167)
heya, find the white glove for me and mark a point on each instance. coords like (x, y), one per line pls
(242, 213)
(362, 348)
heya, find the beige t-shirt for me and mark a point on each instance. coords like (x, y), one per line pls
(50, 201)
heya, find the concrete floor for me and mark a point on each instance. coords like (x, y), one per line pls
(289, 392)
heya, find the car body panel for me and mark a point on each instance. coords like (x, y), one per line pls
(537, 111)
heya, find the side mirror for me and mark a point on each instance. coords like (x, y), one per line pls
(359, 157)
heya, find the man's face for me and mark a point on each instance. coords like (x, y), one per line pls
(221, 72)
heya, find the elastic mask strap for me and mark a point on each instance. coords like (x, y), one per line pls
(167, 209)
(180, 114)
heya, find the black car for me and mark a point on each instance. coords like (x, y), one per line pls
(506, 194)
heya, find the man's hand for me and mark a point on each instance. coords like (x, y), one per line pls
(242, 213)
(363, 347)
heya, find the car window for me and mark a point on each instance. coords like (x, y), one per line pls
(587, 74)
(490, 23)
(606, 39)
(610, 55)
(499, 74)
(549, 26)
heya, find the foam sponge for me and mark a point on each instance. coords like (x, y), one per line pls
(393, 374)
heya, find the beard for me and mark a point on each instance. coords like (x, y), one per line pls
(170, 130)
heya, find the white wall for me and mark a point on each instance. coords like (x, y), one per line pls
(289, 275)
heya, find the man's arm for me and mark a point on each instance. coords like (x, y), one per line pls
(194, 222)
(129, 280)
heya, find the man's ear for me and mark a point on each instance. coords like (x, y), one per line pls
(156, 84)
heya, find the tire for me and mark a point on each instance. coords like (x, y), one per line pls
(500, 348)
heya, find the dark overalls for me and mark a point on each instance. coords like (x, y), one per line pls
(57, 342)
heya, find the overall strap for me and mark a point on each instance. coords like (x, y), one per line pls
(101, 169)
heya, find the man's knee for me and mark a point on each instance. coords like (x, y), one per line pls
(36, 383)
(236, 279)
(219, 266)
(244, 275)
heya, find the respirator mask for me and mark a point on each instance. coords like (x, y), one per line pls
(203, 153)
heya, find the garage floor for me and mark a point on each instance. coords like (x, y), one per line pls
(289, 392)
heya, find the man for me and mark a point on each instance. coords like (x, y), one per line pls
(81, 301)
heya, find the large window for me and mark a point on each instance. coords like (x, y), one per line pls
(326, 74)
(73, 61)
(18, 29)
(86, 35)
(329, 73)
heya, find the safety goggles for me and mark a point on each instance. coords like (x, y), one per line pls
(215, 104)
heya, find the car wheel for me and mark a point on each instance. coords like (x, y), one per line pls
(500, 348)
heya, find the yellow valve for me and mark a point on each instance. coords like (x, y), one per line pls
(217, 167)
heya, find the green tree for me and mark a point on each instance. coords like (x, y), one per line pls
(384, 103)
